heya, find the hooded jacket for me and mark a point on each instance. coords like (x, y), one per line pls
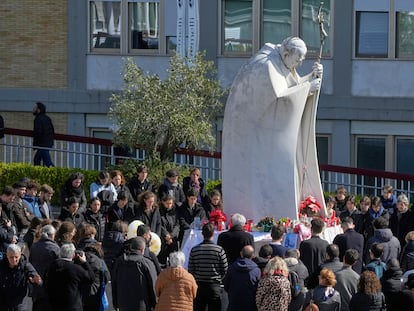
(240, 283)
(391, 244)
(175, 289)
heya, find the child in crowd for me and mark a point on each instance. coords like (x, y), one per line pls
(376, 265)
(340, 198)
(388, 199)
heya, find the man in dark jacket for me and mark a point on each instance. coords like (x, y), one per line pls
(65, 279)
(43, 135)
(233, 240)
(241, 281)
(391, 283)
(15, 274)
(133, 279)
(384, 236)
(42, 254)
(312, 251)
(350, 239)
(402, 220)
(347, 279)
(295, 265)
(331, 262)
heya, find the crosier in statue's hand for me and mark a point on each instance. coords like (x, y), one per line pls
(315, 85)
(317, 70)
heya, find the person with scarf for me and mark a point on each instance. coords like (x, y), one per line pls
(376, 210)
(324, 295)
(273, 290)
(73, 187)
(194, 181)
(170, 186)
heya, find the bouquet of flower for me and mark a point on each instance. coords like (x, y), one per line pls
(331, 220)
(266, 223)
(309, 207)
(303, 230)
(217, 217)
(285, 221)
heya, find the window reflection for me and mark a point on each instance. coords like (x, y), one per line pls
(144, 25)
(310, 26)
(105, 24)
(372, 34)
(277, 20)
(238, 30)
(405, 34)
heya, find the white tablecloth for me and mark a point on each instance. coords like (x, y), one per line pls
(194, 237)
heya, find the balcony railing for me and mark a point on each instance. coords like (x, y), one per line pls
(96, 154)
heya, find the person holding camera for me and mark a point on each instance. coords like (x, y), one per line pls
(65, 277)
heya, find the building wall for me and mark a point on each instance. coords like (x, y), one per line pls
(33, 51)
(45, 57)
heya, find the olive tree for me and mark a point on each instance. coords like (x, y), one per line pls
(161, 115)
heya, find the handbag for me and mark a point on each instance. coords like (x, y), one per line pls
(103, 297)
(312, 306)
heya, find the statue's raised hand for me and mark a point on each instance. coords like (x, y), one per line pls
(315, 85)
(317, 70)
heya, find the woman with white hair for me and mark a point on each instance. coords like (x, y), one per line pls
(175, 287)
(273, 291)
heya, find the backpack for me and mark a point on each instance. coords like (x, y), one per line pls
(378, 267)
(294, 284)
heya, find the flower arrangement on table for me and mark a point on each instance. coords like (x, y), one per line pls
(218, 218)
(265, 224)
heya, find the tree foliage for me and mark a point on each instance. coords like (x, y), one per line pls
(161, 115)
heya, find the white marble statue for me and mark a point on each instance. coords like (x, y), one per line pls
(269, 160)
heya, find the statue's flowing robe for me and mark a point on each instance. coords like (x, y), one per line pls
(269, 160)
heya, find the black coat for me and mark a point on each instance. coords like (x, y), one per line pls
(401, 226)
(43, 131)
(42, 254)
(98, 221)
(364, 302)
(114, 214)
(312, 253)
(76, 218)
(175, 190)
(407, 257)
(351, 239)
(133, 283)
(233, 241)
(69, 191)
(13, 282)
(186, 215)
(153, 220)
(113, 246)
(64, 282)
(136, 187)
(204, 199)
(91, 292)
(391, 286)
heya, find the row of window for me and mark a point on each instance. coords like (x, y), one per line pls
(374, 152)
(246, 26)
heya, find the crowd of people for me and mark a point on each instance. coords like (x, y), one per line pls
(66, 261)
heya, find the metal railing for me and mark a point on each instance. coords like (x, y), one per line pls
(96, 154)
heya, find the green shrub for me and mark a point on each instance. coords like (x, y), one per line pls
(56, 176)
(53, 176)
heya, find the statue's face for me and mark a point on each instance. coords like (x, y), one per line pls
(294, 60)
